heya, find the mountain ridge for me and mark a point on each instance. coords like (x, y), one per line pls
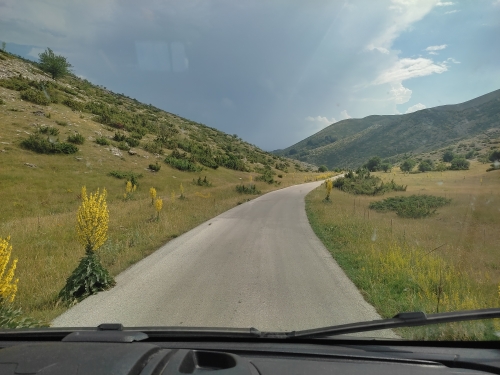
(348, 143)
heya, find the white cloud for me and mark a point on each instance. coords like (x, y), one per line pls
(408, 68)
(416, 107)
(403, 13)
(344, 114)
(451, 11)
(321, 119)
(444, 3)
(436, 48)
(452, 60)
(399, 93)
(35, 52)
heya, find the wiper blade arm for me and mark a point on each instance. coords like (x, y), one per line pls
(408, 319)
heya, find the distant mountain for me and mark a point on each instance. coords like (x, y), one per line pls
(349, 143)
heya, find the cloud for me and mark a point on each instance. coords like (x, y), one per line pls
(399, 93)
(436, 48)
(444, 3)
(451, 59)
(35, 51)
(451, 11)
(416, 107)
(402, 14)
(408, 68)
(321, 119)
(344, 115)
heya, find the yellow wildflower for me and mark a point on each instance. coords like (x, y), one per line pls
(152, 194)
(8, 285)
(92, 220)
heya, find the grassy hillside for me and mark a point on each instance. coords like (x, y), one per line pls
(115, 136)
(349, 143)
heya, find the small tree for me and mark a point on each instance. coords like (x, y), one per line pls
(448, 156)
(373, 164)
(386, 167)
(459, 163)
(407, 165)
(54, 64)
(495, 156)
(90, 276)
(426, 165)
(323, 168)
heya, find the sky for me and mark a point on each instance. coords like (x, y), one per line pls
(273, 72)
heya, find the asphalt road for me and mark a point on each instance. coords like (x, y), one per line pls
(257, 265)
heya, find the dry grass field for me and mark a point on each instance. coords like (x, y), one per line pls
(449, 261)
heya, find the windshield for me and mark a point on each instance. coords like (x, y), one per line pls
(281, 165)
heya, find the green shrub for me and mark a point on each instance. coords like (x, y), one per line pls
(201, 182)
(123, 146)
(448, 156)
(50, 130)
(322, 168)
(62, 123)
(470, 154)
(182, 164)
(386, 167)
(426, 165)
(129, 176)
(407, 165)
(2, 102)
(155, 167)
(35, 96)
(363, 183)
(132, 142)
(119, 137)
(459, 163)
(42, 145)
(494, 156)
(73, 104)
(76, 138)
(414, 206)
(153, 147)
(250, 189)
(16, 83)
(102, 141)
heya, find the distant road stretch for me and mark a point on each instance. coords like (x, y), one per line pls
(257, 265)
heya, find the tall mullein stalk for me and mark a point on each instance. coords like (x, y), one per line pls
(158, 207)
(90, 276)
(152, 194)
(8, 284)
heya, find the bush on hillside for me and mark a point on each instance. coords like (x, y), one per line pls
(448, 156)
(41, 145)
(250, 189)
(414, 206)
(76, 138)
(407, 165)
(102, 141)
(362, 182)
(35, 96)
(426, 165)
(459, 163)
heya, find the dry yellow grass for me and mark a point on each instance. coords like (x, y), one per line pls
(446, 262)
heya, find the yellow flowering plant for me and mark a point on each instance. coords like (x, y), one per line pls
(158, 207)
(152, 194)
(329, 187)
(92, 220)
(90, 276)
(8, 284)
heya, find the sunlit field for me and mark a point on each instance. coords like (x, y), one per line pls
(449, 261)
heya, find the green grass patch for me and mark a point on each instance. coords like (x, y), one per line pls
(413, 206)
(76, 138)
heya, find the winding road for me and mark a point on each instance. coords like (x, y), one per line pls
(257, 265)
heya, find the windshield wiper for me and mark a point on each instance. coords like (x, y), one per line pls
(407, 319)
